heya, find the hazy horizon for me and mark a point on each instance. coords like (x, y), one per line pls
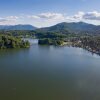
(45, 26)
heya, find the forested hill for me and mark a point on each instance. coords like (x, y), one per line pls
(62, 28)
(74, 27)
(17, 27)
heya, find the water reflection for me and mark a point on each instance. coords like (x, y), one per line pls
(49, 73)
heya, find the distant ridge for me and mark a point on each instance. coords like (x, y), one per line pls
(74, 27)
(17, 27)
(63, 28)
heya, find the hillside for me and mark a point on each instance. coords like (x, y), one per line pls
(79, 27)
(17, 27)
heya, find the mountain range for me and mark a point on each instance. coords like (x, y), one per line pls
(74, 27)
(64, 28)
(17, 27)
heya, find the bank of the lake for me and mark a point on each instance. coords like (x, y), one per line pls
(83, 43)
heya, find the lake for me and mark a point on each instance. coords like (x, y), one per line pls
(49, 73)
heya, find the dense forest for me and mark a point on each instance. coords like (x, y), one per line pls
(7, 41)
(48, 41)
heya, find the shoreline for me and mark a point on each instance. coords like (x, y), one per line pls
(85, 47)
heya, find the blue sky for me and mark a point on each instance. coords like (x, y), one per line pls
(43, 13)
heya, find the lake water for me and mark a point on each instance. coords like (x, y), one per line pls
(49, 73)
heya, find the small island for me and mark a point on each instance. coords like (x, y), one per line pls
(48, 41)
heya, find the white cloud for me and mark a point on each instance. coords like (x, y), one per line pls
(87, 16)
(48, 16)
(33, 16)
(49, 19)
(92, 15)
(78, 16)
(8, 20)
(51, 16)
(12, 17)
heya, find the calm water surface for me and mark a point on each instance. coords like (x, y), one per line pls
(49, 73)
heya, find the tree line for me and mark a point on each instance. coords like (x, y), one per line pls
(7, 41)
